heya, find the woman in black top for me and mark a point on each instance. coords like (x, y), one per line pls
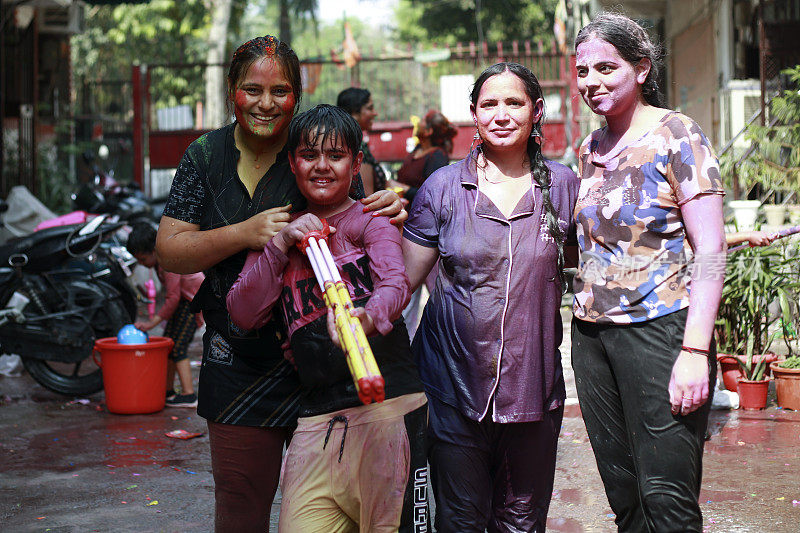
(358, 102)
(232, 192)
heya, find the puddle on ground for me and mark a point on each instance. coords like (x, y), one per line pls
(564, 525)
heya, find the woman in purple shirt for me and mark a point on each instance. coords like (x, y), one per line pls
(487, 346)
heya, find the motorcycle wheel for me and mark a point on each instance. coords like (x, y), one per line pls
(85, 377)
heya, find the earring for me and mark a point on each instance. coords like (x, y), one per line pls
(475, 138)
(536, 133)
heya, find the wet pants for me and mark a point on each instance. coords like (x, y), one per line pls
(358, 469)
(246, 463)
(487, 475)
(649, 459)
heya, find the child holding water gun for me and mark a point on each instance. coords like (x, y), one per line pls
(348, 465)
(181, 321)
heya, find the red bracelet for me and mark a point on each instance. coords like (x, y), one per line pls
(696, 351)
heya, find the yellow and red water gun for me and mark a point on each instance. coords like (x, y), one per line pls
(360, 360)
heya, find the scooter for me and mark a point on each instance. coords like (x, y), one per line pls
(53, 306)
(103, 194)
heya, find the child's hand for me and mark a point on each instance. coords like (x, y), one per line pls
(147, 325)
(367, 324)
(294, 232)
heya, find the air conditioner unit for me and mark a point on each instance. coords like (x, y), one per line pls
(741, 100)
(62, 20)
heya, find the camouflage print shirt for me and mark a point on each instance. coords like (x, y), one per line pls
(634, 250)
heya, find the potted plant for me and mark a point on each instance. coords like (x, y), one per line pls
(787, 382)
(755, 310)
(753, 385)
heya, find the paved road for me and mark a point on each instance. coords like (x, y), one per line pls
(67, 465)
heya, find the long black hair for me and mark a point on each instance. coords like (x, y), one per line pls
(633, 44)
(539, 169)
(353, 99)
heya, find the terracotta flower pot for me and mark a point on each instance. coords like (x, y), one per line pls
(731, 371)
(753, 394)
(787, 386)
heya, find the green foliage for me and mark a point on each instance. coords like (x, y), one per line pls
(454, 21)
(775, 161)
(756, 278)
(158, 32)
(790, 362)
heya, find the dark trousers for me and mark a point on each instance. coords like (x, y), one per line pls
(246, 463)
(649, 459)
(487, 475)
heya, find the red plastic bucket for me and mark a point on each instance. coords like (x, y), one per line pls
(134, 375)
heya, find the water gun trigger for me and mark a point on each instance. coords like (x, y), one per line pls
(318, 235)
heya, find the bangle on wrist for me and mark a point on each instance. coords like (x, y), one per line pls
(697, 351)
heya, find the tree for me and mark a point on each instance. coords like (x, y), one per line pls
(215, 72)
(464, 20)
(773, 162)
(301, 9)
(159, 32)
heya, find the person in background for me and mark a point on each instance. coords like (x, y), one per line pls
(358, 102)
(182, 322)
(435, 134)
(649, 225)
(232, 192)
(487, 345)
(367, 480)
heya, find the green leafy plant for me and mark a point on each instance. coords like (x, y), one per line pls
(773, 162)
(756, 280)
(790, 362)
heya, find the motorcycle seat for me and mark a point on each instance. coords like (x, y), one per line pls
(43, 248)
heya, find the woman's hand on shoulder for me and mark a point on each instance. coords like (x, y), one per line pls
(259, 229)
(386, 203)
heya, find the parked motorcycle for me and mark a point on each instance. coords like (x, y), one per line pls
(59, 291)
(103, 194)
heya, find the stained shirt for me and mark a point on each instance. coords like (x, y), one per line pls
(244, 378)
(488, 340)
(634, 253)
(367, 251)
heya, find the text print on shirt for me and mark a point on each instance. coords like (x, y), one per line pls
(300, 300)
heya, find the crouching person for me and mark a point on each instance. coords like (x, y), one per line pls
(349, 466)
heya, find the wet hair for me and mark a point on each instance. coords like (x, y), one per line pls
(353, 99)
(633, 44)
(142, 239)
(261, 47)
(324, 120)
(442, 131)
(539, 170)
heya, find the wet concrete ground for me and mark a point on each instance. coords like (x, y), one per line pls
(68, 465)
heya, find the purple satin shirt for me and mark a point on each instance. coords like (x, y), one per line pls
(488, 341)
